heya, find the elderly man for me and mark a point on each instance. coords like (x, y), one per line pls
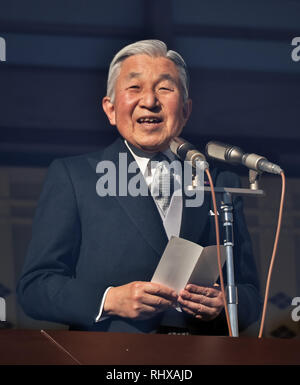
(91, 258)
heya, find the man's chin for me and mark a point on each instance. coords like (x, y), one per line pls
(153, 147)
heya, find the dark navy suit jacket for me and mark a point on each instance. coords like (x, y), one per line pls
(83, 243)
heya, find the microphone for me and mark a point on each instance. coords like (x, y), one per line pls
(187, 152)
(235, 155)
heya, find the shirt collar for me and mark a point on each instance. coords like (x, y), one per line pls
(142, 158)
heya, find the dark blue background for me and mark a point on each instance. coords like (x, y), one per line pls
(244, 84)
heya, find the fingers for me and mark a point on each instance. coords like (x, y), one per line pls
(160, 290)
(204, 303)
(207, 291)
(142, 300)
(199, 311)
(154, 296)
(139, 300)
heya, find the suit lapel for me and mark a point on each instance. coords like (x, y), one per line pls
(194, 219)
(141, 210)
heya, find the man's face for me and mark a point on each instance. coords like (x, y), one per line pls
(148, 109)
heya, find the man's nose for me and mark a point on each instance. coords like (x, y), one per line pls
(149, 99)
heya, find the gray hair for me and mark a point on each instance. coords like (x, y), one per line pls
(154, 48)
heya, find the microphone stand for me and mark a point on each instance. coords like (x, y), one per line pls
(227, 221)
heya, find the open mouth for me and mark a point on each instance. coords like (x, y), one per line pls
(149, 120)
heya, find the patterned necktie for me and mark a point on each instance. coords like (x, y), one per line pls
(162, 186)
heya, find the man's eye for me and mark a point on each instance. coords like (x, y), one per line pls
(165, 88)
(134, 87)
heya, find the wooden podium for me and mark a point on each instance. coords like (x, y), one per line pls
(34, 347)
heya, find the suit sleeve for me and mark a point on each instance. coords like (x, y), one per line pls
(48, 288)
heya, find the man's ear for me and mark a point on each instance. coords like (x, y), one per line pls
(109, 110)
(187, 109)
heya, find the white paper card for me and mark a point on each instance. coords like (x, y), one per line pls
(186, 262)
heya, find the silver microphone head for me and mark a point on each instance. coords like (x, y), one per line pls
(235, 155)
(187, 152)
(176, 143)
(224, 152)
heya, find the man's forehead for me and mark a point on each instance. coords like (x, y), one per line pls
(162, 76)
(132, 75)
(136, 66)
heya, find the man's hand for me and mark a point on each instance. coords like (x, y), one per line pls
(139, 300)
(204, 303)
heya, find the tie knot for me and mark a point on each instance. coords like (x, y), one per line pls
(160, 157)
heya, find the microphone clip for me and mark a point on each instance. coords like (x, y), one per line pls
(253, 179)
